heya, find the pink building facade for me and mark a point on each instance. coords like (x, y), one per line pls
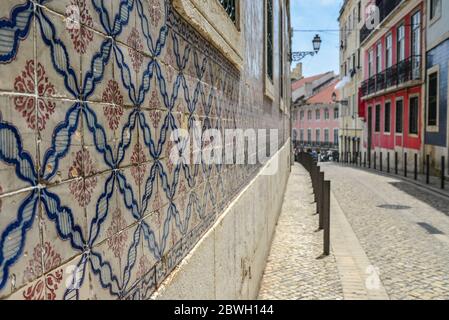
(316, 120)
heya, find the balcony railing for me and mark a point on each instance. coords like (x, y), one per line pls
(406, 70)
(230, 6)
(385, 8)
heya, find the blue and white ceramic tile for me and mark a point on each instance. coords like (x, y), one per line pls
(90, 205)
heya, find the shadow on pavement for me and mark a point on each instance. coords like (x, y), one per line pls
(434, 201)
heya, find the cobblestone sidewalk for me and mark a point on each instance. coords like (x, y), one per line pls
(293, 270)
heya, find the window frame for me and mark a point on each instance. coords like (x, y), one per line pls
(437, 16)
(269, 82)
(336, 136)
(281, 53)
(397, 133)
(389, 51)
(377, 117)
(327, 141)
(379, 52)
(412, 32)
(358, 58)
(370, 62)
(222, 32)
(387, 102)
(399, 47)
(410, 133)
(433, 128)
(359, 11)
(336, 113)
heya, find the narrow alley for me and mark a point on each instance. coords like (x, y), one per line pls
(388, 236)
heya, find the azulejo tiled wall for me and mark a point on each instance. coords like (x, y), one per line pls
(91, 207)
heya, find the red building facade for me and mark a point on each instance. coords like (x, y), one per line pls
(392, 96)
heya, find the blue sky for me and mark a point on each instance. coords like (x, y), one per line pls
(317, 14)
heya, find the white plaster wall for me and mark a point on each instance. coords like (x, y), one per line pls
(228, 262)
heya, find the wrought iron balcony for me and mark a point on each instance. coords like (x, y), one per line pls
(385, 8)
(402, 72)
(230, 6)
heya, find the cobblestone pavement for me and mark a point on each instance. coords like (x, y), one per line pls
(402, 228)
(293, 271)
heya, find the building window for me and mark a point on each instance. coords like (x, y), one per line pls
(326, 135)
(435, 9)
(387, 122)
(416, 34)
(413, 115)
(230, 6)
(401, 44)
(354, 19)
(389, 51)
(416, 45)
(269, 37)
(353, 63)
(358, 58)
(318, 114)
(309, 135)
(326, 114)
(359, 11)
(309, 115)
(336, 113)
(318, 135)
(432, 104)
(281, 52)
(301, 135)
(370, 63)
(301, 115)
(336, 136)
(377, 127)
(399, 115)
(379, 58)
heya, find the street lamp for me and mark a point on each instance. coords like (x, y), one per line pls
(316, 43)
(298, 56)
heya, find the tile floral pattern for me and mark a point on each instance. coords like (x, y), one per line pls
(94, 208)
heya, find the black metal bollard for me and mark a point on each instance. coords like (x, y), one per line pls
(369, 160)
(381, 160)
(428, 169)
(416, 166)
(396, 171)
(375, 160)
(388, 162)
(327, 224)
(315, 170)
(321, 201)
(405, 164)
(364, 159)
(443, 169)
